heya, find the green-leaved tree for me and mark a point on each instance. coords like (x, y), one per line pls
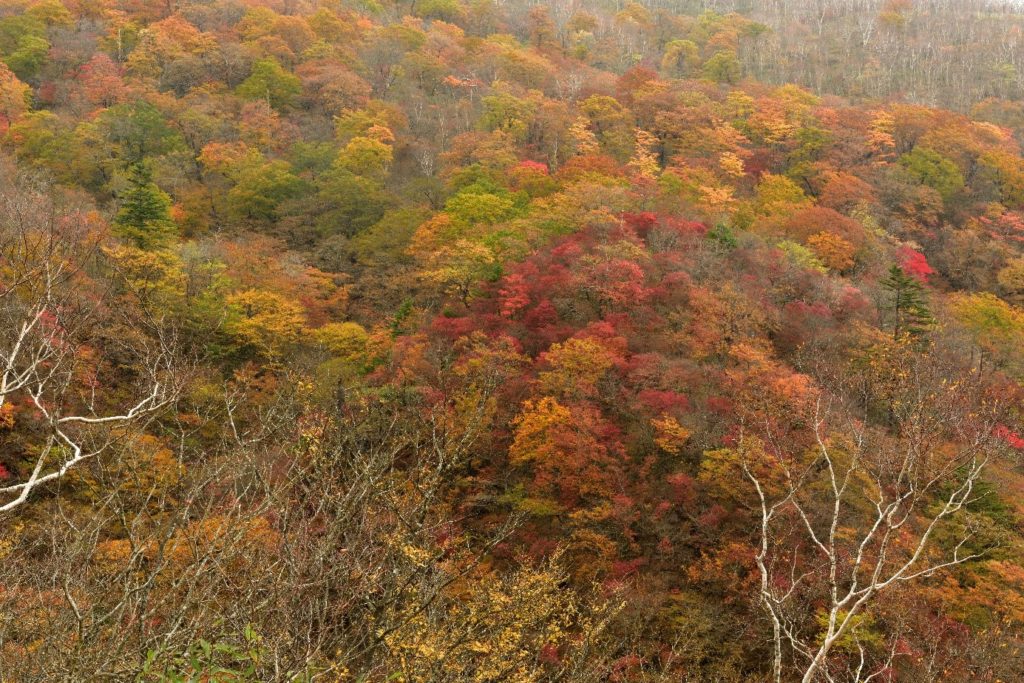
(910, 314)
(144, 218)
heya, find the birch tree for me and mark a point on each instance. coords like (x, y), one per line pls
(58, 330)
(872, 495)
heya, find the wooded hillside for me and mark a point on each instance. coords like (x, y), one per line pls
(458, 340)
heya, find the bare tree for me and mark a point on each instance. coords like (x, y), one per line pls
(332, 537)
(50, 339)
(859, 511)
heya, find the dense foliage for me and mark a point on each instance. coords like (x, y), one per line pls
(471, 341)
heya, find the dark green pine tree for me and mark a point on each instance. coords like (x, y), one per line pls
(907, 304)
(145, 215)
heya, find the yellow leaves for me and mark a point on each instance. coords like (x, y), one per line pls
(415, 554)
(1011, 279)
(14, 98)
(459, 265)
(644, 162)
(451, 254)
(863, 631)
(112, 556)
(774, 128)
(154, 466)
(703, 188)
(669, 435)
(344, 340)
(9, 538)
(369, 157)
(740, 105)
(778, 119)
(750, 355)
(796, 99)
(6, 416)
(732, 165)
(880, 136)
(801, 256)
(434, 233)
(492, 631)
(718, 199)
(263, 320)
(533, 426)
(147, 468)
(583, 137)
(577, 366)
(155, 276)
(726, 469)
(720, 466)
(996, 325)
(778, 194)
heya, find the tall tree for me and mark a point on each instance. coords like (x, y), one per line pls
(910, 314)
(145, 218)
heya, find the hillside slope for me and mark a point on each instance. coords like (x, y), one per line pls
(460, 341)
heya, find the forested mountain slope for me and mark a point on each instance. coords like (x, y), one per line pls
(471, 341)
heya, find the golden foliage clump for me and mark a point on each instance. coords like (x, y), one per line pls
(520, 627)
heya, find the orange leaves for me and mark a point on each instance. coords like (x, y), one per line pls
(843, 191)
(257, 262)
(716, 319)
(576, 368)
(234, 541)
(570, 450)
(539, 428)
(228, 158)
(112, 556)
(812, 220)
(669, 435)
(767, 391)
(771, 122)
(880, 140)
(14, 98)
(832, 250)
(6, 416)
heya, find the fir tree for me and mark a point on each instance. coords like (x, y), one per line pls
(907, 304)
(145, 218)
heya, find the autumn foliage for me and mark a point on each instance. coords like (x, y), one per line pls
(458, 341)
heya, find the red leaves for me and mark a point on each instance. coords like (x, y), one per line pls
(683, 490)
(914, 264)
(514, 295)
(658, 401)
(533, 167)
(618, 282)
(1011, 437)
(641, 223)
(452, 327)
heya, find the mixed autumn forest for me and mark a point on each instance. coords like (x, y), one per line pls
(439, 341)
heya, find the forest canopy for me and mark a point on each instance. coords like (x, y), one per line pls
(456, 340)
